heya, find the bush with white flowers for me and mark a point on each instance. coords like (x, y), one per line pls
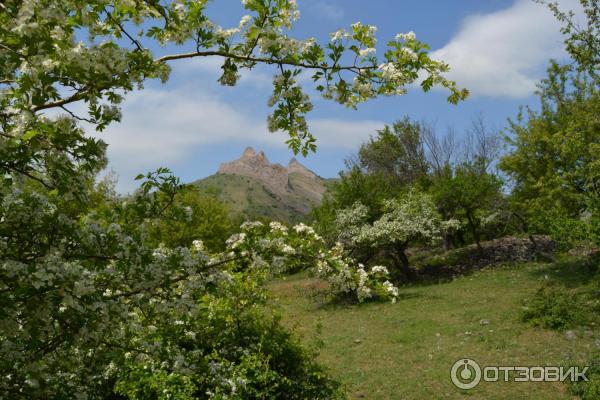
(351, 280)
(301, 248)
(410, 218)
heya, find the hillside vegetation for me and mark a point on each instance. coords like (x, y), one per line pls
(428, 249)
(405, 350)
(253, 188)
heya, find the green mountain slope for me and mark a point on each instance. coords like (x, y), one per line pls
(256, 189)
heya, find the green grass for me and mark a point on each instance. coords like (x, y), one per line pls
(405, 350)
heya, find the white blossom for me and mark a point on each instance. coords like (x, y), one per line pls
(406, 36)
(367, 52)
(340, 34)
(198, 245)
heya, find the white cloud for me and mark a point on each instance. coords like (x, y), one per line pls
(504, 53)
(167, 127)
(210, 68)
(328, 11)
(343, 134)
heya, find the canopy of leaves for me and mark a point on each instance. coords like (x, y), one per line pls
(397, 153)
(553, 163)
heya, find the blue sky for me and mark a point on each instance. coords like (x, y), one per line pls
(498, 49)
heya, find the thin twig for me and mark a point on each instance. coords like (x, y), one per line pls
(259, 60)
(72, 114)
(118, 24)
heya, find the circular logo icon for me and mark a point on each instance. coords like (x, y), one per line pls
(465, 374)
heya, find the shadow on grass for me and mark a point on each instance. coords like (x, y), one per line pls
(325, 303)
(569, 272)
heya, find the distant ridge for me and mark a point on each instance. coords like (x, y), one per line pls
(256, 188)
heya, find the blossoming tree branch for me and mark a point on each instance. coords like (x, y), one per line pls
(44, 66)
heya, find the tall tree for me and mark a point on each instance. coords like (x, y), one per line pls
(396, 152)
(467, 192)
(554, 162)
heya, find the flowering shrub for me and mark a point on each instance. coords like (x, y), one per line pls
(347, 279)
(405, 220)
(301, 248)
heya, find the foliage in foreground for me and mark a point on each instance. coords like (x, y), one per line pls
(92, 293)
(589, 390)
(107, 308)
(232, 350)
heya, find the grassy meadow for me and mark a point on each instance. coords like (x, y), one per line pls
(405, 350)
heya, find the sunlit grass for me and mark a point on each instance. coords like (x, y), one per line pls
(405, 350)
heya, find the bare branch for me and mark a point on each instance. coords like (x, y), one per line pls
(440, 150)
(118, 24)
(72, 114)
(482, 142)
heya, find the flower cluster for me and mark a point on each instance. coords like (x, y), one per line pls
(348, 279)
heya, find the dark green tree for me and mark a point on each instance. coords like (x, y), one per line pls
(397, 153)
(468, 192)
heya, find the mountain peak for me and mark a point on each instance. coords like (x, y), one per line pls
(295, 166)
(251, 156)
(256, 165)
(254, 186)
(248, 152)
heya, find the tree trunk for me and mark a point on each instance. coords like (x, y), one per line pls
(525, 229)
(403, 270)
(459, 238)
(447, 241)
(475, 232)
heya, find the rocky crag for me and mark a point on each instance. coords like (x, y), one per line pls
(257, 188)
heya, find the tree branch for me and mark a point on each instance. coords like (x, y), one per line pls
(80, 95)
(35, 178)
(72, 114)
(175, 280)
(133, 40)
(67, 100)
(259, 60)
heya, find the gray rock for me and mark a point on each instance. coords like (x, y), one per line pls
(570, 335)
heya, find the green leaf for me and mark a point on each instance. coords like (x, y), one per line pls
(30, 135)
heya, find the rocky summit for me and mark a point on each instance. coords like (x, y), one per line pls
(256, 188)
